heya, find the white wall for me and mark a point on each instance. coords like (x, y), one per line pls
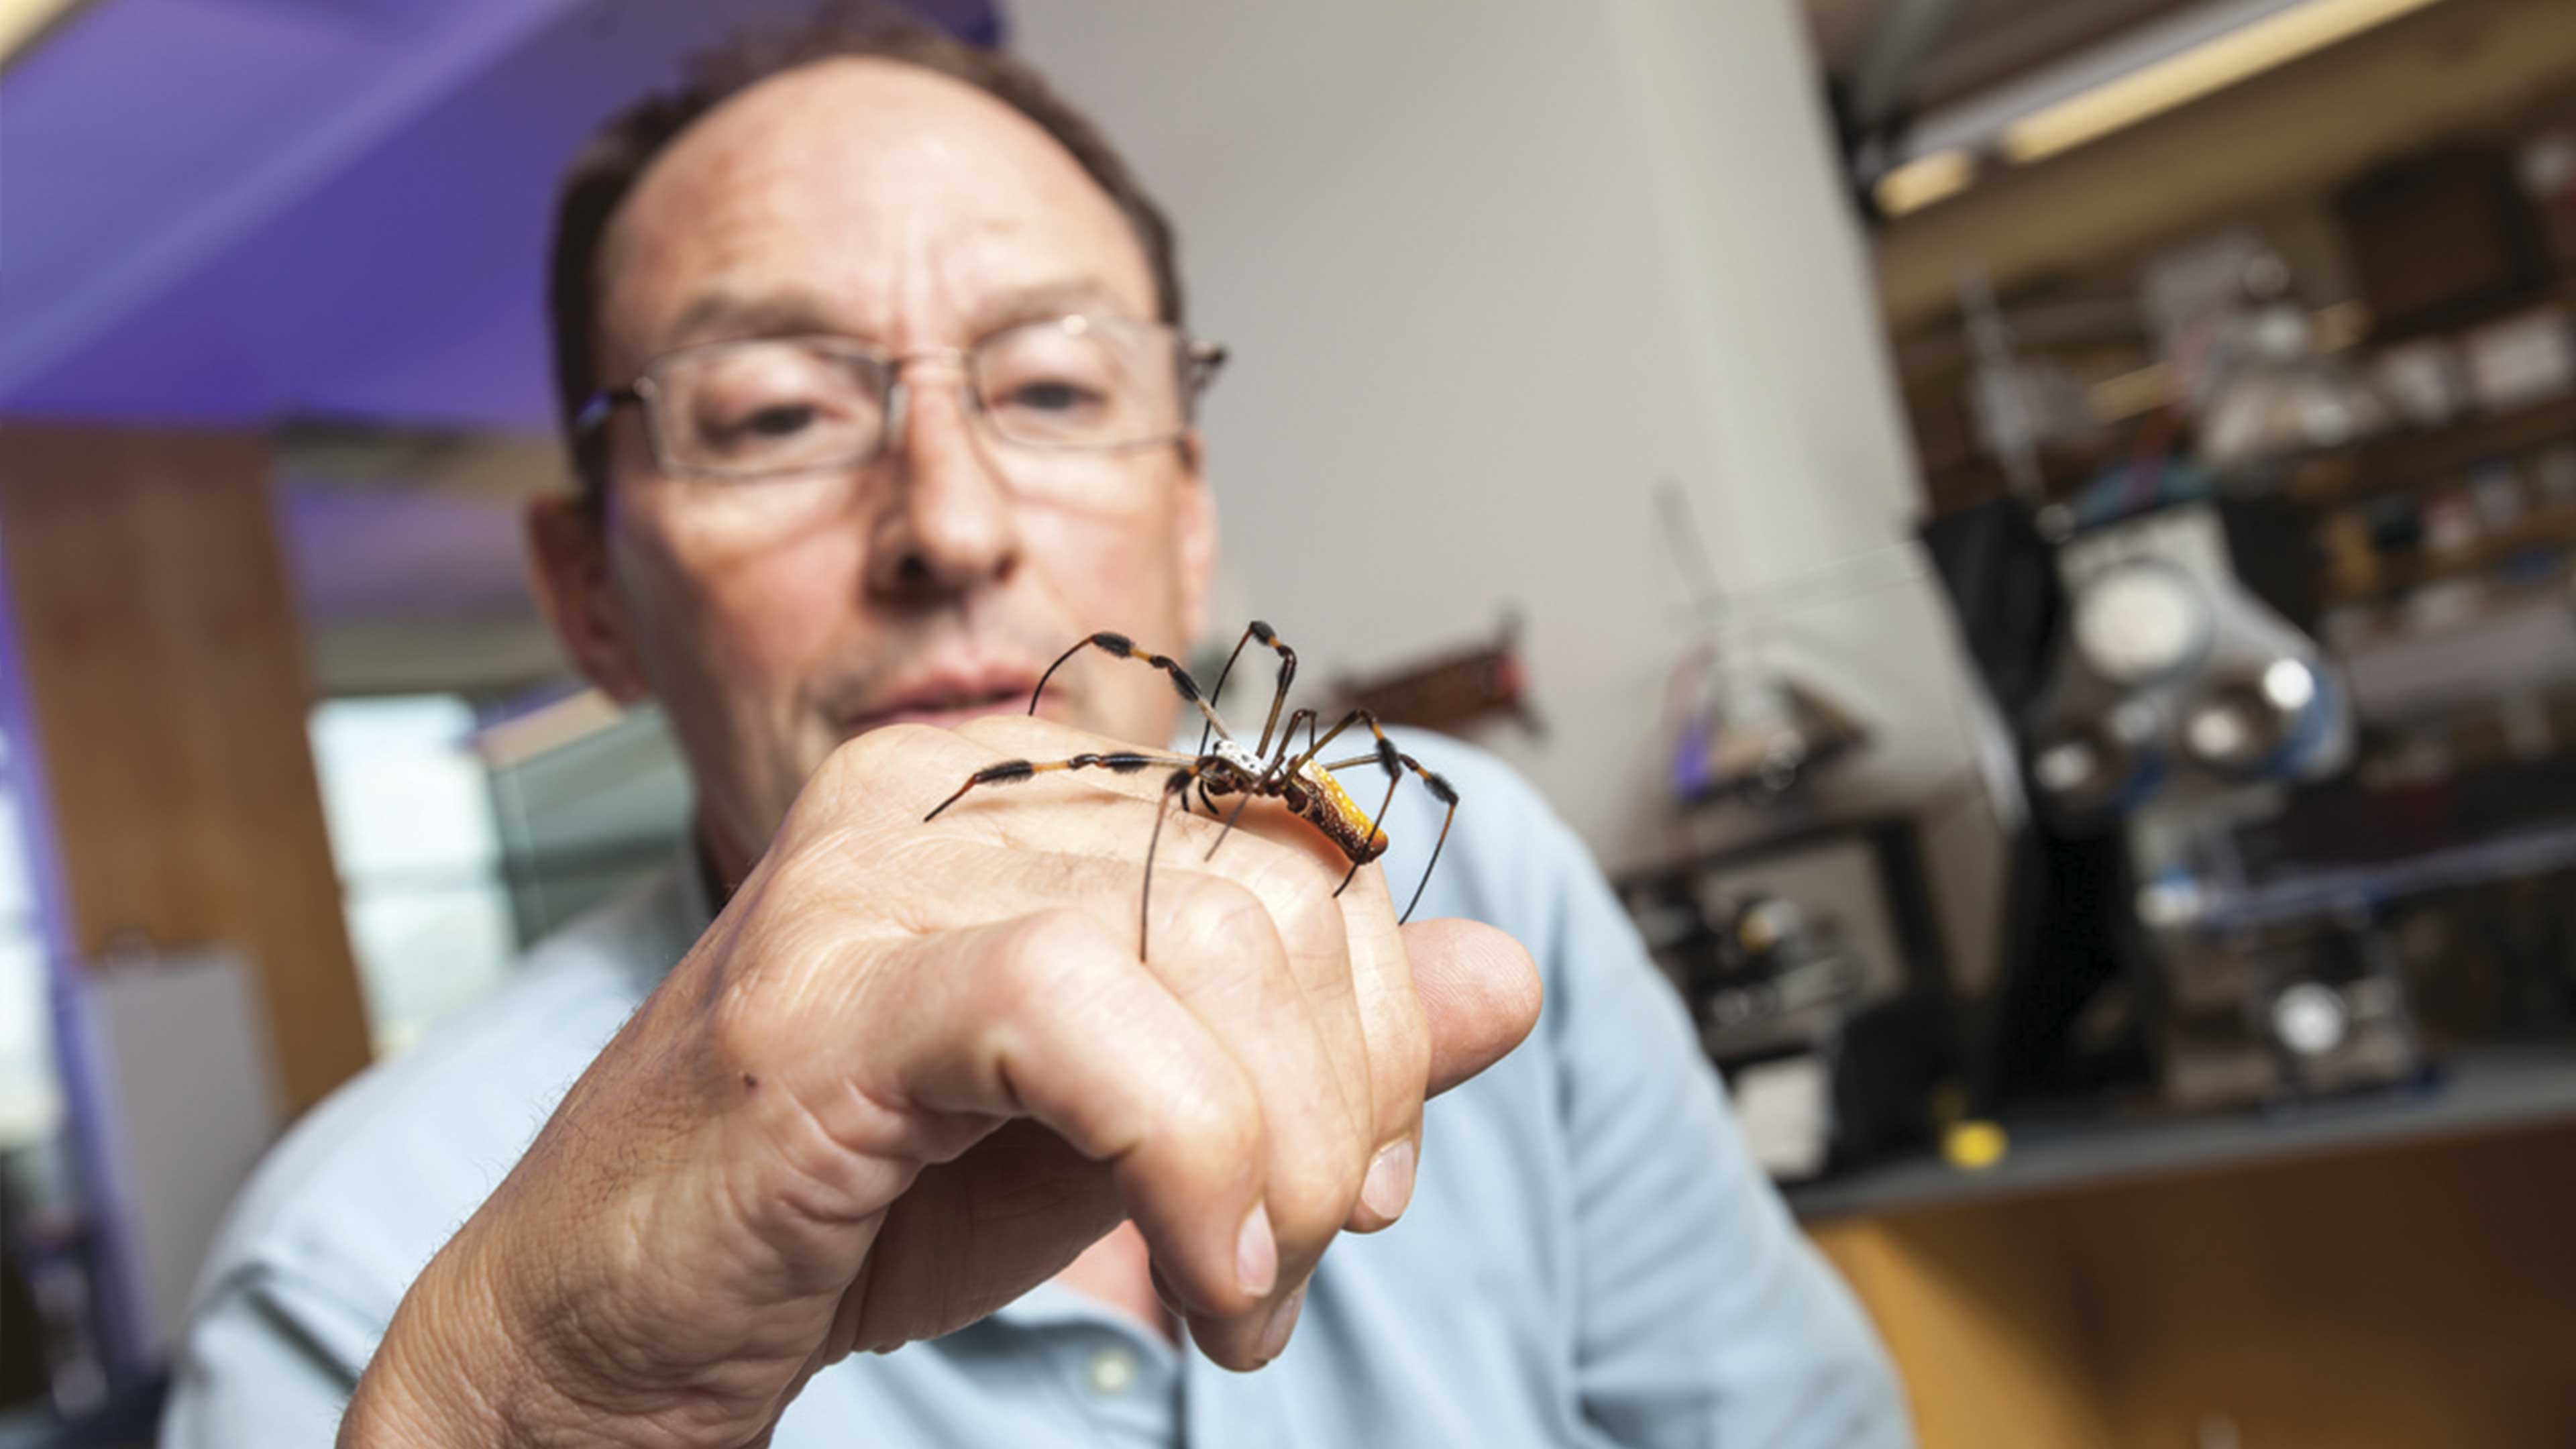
(1489, 271)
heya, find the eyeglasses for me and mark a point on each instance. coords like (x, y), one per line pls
(756, 407)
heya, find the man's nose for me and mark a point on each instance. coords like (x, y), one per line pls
(948, 525)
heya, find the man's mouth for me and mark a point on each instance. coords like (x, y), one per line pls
(950, 700)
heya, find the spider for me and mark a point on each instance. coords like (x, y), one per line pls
(1224, 767)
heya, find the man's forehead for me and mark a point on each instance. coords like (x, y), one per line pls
(863, 195)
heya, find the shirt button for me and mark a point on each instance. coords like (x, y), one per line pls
(1112, 1371)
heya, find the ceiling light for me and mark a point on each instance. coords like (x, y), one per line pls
(2214, 65)
(1924, 180)
(21, 21)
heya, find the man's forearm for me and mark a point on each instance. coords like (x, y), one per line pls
(450, 1373)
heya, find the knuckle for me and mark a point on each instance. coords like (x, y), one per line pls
(1234, 911)
(1021, 734)
(1298, 879)
(1192, 833)
(1311, 1203)
(1297, 862)
(1035, 953)
(737, 998)
(741, 1031)
(992, 728)
(854, 776)
(1281, 871)
(864, 756)
(1218, 914)
(1044, 965)
(1222, 1123)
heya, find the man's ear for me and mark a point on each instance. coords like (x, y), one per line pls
(568, 570)
(1194, 538)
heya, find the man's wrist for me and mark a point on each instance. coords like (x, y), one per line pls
(441, 1377)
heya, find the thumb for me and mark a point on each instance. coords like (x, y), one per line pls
(1480, 995)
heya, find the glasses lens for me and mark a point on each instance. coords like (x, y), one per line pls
(1081, 382)
(769, 405)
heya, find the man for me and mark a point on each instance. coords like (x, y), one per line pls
(872, 354)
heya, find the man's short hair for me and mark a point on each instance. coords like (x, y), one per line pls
(606, 170)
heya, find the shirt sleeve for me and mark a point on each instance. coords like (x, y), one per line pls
(269, 1362)
(1706, 1318)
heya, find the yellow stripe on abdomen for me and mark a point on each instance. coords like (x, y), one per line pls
(1355, 835)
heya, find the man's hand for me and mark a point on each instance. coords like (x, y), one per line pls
(913, 1070)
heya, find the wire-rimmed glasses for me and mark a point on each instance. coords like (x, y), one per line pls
(757, 407)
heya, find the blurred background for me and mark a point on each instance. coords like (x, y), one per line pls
(2033, 538)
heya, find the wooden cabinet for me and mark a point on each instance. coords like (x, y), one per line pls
(2371, 1285)
(161, 670)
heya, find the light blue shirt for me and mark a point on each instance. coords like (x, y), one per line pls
(1590, 1257)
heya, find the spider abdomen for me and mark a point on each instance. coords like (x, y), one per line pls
(1320, 800)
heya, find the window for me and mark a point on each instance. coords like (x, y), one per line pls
(457, 848)
(30, 1097)
(410, 814)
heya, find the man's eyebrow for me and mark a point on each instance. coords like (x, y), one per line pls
(1043, 300)
(719, 314)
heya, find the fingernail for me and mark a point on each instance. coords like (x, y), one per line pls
(1390, 1181)
(1283, 1321)
(1256, 1255)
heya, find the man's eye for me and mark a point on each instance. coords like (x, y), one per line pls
(1049, 396)
(779, 421)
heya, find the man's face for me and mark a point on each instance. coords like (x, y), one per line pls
(775, 618)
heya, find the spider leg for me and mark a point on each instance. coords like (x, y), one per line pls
(1279, 696)
(1442, 791)
(1315, 746)
(1239, 807)
(1011, 772)
(1178, 784)
(1217, 694)
(1303, 716)
(1287, 672)
(1125, 648)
